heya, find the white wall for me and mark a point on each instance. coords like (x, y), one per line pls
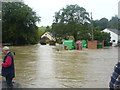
(113, 36)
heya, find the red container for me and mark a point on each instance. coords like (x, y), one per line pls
(65, 47)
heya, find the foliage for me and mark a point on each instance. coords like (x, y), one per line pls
(42, 28)
(69, 21)
(98, 35)
(105, 23)
(72, 13)
(85, 33)
(74, 21)
(41, 31)
(113, 23)
(100, 24)
(19, 24)
(52, 42)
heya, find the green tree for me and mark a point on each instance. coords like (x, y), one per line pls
(72, 13)
(19, 23)
(100, 24)
(85, 32)
(113, 23)
(103, 23)
(69, 21)
(100, 36)
(118, 24)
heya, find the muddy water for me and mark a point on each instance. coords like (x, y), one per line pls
(52, 67)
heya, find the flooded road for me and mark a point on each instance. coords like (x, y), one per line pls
(47, 67)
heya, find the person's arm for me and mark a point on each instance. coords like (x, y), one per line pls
(8, 62)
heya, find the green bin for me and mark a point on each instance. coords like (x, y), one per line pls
(84, 44)
(99, 45)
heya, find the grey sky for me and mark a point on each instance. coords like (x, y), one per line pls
(119, 10)
(46, 8)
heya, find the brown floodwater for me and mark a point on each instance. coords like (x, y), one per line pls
(44, 66)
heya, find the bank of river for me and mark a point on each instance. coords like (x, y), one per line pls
(40, 66)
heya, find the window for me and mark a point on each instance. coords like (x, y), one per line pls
(113, 40)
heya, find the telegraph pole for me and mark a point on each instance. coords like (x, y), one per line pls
(0, 23)
(92, 35)
(118, 31)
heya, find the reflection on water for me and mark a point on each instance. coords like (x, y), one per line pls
(47, 67)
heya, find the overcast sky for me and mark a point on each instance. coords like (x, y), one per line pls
(46, 8)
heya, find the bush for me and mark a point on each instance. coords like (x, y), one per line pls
(52, 43)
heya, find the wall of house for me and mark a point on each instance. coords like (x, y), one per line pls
(114, 36)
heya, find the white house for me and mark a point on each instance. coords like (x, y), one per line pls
(113, 34)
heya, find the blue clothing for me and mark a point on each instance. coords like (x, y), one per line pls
(8, 70)
(115, 78)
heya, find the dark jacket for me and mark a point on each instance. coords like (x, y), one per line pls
(115, 78)
(8, 70)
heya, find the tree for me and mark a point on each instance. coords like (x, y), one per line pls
(19, 23)
(72, 13)
(69, 21)
(103, 23)
(113, 23)
(100, 36)
(118, 24)
(85, 32)
(100, 24)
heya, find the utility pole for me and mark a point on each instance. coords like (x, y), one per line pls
(92, 27)
(0, 23)
(118, 31)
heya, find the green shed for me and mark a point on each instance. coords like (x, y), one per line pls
(69, 44)
(84, 44)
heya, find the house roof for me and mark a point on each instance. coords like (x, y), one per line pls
(114, 30)
(47, 33)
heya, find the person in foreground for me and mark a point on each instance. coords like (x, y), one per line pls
(115, 78)
(8, 70)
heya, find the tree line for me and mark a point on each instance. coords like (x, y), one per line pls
(19, 24)
(76, 21)
(103, 23)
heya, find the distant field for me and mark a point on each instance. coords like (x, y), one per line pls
(42, 28)
(41, 31)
